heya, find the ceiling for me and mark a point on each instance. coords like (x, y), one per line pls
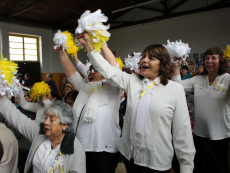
(63, 14)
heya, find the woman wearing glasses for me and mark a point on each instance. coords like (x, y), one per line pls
(96, 115)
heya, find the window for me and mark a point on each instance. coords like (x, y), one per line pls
(24, 48)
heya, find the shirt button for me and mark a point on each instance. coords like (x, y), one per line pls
(105, 146)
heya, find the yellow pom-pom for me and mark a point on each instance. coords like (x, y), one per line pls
(99, 36)
(8, 68)
(120, 63)
(72, 49)
(227, 53)
(39, 89)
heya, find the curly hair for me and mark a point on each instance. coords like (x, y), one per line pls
(222, 62)
(160, 52)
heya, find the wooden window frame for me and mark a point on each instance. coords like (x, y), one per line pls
(28, 36)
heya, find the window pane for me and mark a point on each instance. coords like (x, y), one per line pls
(30, 46)
(16, 57)
(16, 51)
(31, 58)
(15, 39)
(16, 45)
(30, 40)
(30, 52)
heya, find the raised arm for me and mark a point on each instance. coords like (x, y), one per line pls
(29, 106)
(182, 134)
(66, 63)
(22, 123)
(108, 55)
(71, 73)
(188, 83)
(81, 67)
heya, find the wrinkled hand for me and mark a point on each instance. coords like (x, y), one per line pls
(179, 61)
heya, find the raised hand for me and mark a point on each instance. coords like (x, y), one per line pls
(177, 61)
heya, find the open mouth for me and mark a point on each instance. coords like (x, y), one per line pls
(46, 129)
(90, 78)
(145, 67)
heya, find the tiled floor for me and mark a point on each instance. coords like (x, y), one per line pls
(121, 168)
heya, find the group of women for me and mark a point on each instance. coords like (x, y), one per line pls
(87, 138)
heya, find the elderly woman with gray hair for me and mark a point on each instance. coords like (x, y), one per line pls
(54, 147)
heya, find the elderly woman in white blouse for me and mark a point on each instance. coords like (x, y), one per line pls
(96, 115)
(54, 149)
(212, 103)
(157, 119)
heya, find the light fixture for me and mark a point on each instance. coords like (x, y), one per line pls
(137, 5)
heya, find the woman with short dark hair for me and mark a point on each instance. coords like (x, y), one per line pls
(71, 97)
(156, 113)
(211, 98)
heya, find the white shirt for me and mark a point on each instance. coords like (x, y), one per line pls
(169, 119)
(83, 69)
(212, 105)
(104, 133)
(44, 157)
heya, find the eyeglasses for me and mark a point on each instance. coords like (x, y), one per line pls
(91, 70)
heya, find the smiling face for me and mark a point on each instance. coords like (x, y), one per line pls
(212, 63)
(53, 127)
(94, 75)
(150, 66)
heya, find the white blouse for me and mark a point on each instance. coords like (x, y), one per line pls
(103, 134)
(169, 119)
(44, 157)
(212, 105)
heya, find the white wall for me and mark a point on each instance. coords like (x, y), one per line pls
(49, 59)
(201, 31)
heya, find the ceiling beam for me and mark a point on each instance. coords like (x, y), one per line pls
(171, 15)
(12, 13)
(178, 5)
(151, 9)
(65, 9)
(13, 7)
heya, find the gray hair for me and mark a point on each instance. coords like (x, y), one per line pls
(64, 112)
(50, 76)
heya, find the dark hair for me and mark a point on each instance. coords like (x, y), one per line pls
(1, 151)
(200, 65)
(185, 67)
(50, 76)
(28, 75)
(160, 52)
(222, 62)
(72, 94)
(55, 94)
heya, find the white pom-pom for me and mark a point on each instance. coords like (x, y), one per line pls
(132, 62)
(60, 40)
(177, 49)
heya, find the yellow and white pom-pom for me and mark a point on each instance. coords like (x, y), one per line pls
(66, 41)
(92, 23)
(9, 85)
(39, 89)
(120, 63)
(227, 53)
